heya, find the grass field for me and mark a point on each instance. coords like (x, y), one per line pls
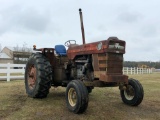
(104, 103)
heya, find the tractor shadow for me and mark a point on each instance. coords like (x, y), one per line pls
(57, 93)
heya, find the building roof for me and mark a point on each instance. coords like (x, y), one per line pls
(19, 49)
(4, 55)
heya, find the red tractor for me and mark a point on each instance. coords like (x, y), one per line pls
(80, 69)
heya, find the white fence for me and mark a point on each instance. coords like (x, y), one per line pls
(11, 71)
(127, 70)
(16, 71)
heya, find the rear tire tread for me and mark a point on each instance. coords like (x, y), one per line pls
(43, 82)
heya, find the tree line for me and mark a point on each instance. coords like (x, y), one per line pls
(148, 64)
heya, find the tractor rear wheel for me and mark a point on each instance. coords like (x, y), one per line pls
(134, 93)
(38, 76)
(76, 96)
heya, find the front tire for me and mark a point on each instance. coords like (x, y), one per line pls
(134, 93)
(76, 96)
(38, 76)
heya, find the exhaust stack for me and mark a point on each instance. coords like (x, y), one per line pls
(82, 27)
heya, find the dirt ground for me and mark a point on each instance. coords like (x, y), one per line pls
(104, 103)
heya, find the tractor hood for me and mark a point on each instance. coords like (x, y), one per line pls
(112, 44)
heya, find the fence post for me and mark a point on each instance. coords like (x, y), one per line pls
(150, 71)
(131, 70)
(127, 70)
(134, 70)
(23, 70)
(8, 72)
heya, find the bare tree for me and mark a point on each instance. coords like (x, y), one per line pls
(21, 54)
(16, 48)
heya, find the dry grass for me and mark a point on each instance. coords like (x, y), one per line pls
(104, 104)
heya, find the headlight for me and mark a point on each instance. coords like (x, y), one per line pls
(46, 50)
(51, 51)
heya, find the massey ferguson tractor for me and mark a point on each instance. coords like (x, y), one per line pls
(80, 68)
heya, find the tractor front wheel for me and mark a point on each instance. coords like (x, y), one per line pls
(133, 95)
(76, 96)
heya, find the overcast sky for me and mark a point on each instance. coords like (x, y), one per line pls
(50, 22)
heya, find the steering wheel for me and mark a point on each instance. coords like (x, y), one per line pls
(69, 42)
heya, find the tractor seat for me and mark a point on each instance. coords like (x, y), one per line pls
(60, 50)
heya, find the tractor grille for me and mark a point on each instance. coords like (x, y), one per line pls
(102, 58)
(112, 63)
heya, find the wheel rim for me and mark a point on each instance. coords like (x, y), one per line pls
(129, 93)
(72, 97)
(31, 77)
